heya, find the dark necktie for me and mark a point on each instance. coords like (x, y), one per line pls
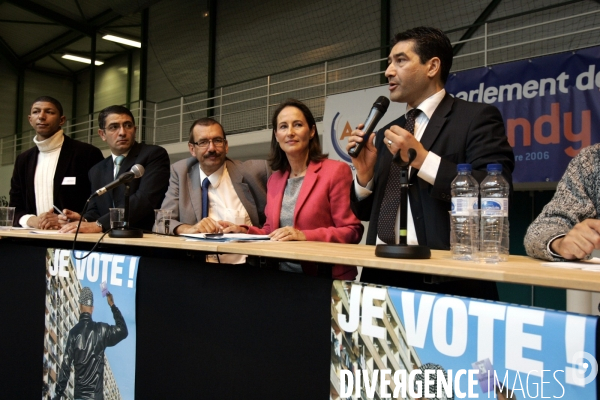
(391, 198)
(118, 161)
(205, 184)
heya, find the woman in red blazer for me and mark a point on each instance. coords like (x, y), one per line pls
(322, 203)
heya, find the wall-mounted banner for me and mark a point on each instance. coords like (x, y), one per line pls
(89, 344)
(344, 112)
(550, 107)
(398, 343)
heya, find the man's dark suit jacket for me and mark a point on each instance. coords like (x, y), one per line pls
(75, 160)
(459, 132)
(145, 193)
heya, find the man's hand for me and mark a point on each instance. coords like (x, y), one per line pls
(207, 225)
(287, 233)
(397, 138)
(580, 241)
(47, 220)
(109, 299)
(86, 227)
(229, 227)
(69, 216)
(365, 162)
(33, 221)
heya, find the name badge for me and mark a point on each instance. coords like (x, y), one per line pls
(69, 180)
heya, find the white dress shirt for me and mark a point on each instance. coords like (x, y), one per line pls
(224, 204)
(428, 170)
(223, 201)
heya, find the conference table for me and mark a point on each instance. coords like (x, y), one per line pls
(206, 330)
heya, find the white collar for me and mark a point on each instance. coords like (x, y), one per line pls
(114, 156)
(215, 177)
(429, 105)
(52, 143)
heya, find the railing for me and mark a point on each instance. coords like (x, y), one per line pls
(83, 128)
(247, 106)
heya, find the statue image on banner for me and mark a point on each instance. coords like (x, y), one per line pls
(89, 342)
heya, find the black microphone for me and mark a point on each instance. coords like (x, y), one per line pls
(136, 172)
(412, 154)
(379, 108)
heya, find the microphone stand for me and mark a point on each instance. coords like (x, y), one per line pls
(403, 250)
(126, 231)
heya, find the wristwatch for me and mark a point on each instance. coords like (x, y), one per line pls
(99, 224)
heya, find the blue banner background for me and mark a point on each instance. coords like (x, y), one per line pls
(122, 356)
(553, 119)
(553, 352)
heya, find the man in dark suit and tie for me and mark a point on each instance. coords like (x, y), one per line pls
(53, 173)
(117, 129)
(444, 131)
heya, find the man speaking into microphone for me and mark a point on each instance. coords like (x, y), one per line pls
(444, 131)
(117, 129)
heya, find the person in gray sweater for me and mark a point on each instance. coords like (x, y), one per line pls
(568, 227)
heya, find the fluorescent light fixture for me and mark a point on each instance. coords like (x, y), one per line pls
(81, 59)
(117, 39)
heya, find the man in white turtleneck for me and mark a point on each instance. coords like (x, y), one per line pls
(52, 173)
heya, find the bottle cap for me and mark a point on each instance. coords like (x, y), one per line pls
(494, 168)
(464, 168)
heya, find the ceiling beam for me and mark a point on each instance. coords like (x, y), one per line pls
(483, 17)
(53, 72)
(80, 11)
(56, 60)
(9, 54)
(51, 15)
(104, 18)
(50, 47)
(136, 25)
(14, 21)
(66, 39)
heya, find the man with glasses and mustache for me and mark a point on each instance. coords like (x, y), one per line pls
(117, 129)
(208, 187)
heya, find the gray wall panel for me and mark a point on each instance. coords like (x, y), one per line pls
(8, 99)
(111, 83)
(256, 38)
(40, 84)
(178, 49)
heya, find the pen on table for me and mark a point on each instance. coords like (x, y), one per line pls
(61, 213)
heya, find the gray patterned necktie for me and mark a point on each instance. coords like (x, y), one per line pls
(391, 198)
(118, 162)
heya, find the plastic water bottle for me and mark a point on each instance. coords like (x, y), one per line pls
(494, 216)
(464, 214)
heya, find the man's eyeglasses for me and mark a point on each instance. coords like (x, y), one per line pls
(217, 142)
(113, 128)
